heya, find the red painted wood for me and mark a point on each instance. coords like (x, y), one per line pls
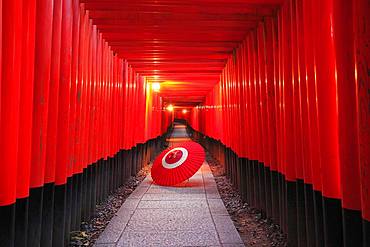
(297, 116)
(43, 41)
(310, 20)
(51, 147)
(288, 94)
(73, 169)
(362, 56)
(26, 98)
(146, 34)
(327, 101)
(10, 93)
(271, 73)
(63, 164)
(347, 105)
(261, 33)
(304, 100)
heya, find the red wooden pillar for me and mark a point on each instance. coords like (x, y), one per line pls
(252, 119)
(90, 98)
(310, 44)
(76, 92)
(247, 120)
(80, 86)
(281, 125)
(26, 98)
(74, 88)
(120, 106)
(64, 95)
(265, 171)
(25, 120)
(258, 186)
(71, 181)
(110, 103)
(84, 40)
(129, 105)
(76, 82)
(297, 115)
(93, 97)
(41, 90)
(9, 114)
(125, 108)
(100, 90)
(348, 122)
(114, 103)
(362, 58)
(328, 122)
(52, 113)
(271, 81)
(261, 91)
(103, 100)
(244, 166)
(307, 211)
(51, 147)
(288, 126)
(61, 213)
(43, 41)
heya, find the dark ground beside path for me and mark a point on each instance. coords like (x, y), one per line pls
(253, 229)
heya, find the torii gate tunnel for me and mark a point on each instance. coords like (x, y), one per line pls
(277, 90)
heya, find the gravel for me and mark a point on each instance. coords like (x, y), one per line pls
(252, 227)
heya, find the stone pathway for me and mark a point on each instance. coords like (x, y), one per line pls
(190, 214)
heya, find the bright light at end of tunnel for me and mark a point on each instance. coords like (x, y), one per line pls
(169, 108)
(184, 111)
(156, 86)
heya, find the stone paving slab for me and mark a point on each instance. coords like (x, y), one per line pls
(169, 238)
(170, 219)
(173, 197)
(174, 204)
(189, 214)
(175, 190)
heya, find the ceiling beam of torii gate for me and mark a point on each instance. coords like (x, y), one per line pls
(181, 44)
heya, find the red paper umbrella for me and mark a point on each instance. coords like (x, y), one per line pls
(177, 163)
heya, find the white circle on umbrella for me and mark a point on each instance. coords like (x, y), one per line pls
(179, 162)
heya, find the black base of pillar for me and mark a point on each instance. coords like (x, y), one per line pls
(68, 211)
(366, 232)
(310, 215)
(291, 210)
(60, 196)
(255, 181)
(333, 232)
(282, 202)
(268, 192)
(7, 224)
(319, 222)
(352, 227)
(275, 196)
(252, 195)
(93, 189)
(75, 207)
(79, 201)
(35, 217)
(301, 214)
(21, 222)
(47, 216)
(243, 178)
